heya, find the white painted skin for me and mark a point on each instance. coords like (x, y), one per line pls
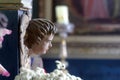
(43, 46)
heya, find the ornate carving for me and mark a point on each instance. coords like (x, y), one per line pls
(25, 60)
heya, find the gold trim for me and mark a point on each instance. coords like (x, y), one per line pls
(12, 6)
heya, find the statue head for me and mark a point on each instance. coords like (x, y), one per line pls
(38, 30)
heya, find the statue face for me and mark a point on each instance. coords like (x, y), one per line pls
(3, 32)
(43, 46)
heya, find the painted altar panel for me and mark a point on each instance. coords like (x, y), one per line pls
(9, 54)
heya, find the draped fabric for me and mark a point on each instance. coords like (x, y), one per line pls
(36, 61)
(93, 9)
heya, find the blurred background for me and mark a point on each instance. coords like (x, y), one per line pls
(92, 46)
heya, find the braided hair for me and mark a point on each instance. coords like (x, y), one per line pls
(36, 31)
